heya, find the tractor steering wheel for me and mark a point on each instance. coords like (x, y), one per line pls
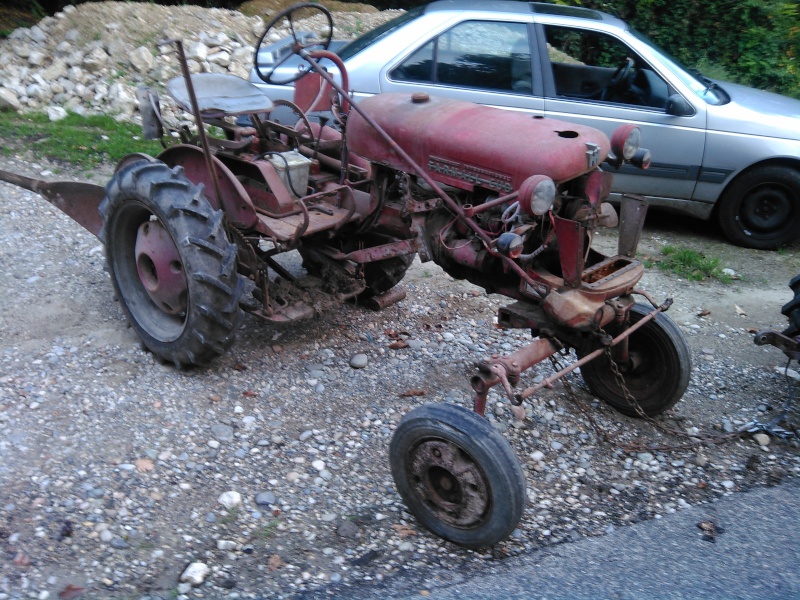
(300, 40)
(621, 80)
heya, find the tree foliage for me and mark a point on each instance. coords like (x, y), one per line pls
(754, 42)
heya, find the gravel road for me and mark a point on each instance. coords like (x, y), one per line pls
(269, 469)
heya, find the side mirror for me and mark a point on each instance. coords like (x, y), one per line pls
(677, 106)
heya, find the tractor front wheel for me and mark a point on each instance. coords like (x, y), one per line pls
(656, 373)
(171, 263)
(457, 475)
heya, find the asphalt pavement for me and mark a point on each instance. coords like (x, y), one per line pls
(756, 556)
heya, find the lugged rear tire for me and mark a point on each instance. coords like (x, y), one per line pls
(181, 292)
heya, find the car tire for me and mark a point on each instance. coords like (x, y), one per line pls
(761, 209)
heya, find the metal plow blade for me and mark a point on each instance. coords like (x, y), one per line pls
(80, 201)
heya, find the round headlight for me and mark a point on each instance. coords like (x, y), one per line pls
(537, 194)
(626, 141)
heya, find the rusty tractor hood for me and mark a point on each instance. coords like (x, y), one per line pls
(467, 145)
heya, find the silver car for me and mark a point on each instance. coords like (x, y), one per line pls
(719, 150)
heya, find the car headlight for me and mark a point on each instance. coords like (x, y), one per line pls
(537, 194)
(626, 141)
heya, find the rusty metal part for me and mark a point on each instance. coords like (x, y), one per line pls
(493, 153)
(787, 345)
(393, 296)
(633, 210)
(234, 199)
(160, 268)
(451, 204)
(198, 117)
(506, 370)
(571, 236)
(382, 252)
(453, 485)
(302, 118)
(548, 382)
(470, 211)
(78, 200)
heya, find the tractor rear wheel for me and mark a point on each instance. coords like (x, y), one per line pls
(171, 263)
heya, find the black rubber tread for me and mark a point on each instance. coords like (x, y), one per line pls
(213, 316)
(486, 447)
(659, 381)
(782, 182)
(791, 310)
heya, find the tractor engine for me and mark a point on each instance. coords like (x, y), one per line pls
(513, 174)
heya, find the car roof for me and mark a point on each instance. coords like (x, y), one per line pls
(515, 7)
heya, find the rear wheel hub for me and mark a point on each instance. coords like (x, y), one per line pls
(160, 268)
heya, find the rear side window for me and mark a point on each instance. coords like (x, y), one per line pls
(473, 54)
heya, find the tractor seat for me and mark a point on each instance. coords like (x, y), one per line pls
(219, 94)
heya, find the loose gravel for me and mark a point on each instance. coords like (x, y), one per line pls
(266, 474)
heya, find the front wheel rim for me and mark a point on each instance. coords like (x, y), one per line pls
(449, 482)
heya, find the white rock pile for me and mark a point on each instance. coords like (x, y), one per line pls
(91, 58)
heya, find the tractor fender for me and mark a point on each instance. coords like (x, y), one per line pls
(235, 201)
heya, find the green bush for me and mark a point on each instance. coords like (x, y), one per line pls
(754, 42)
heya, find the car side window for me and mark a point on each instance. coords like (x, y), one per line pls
(474, 54)
(594, 66)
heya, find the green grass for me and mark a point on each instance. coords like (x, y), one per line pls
(85, 142)
(268, 530)
(230, 517)
(690, 264)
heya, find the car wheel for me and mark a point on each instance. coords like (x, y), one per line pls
(761, 209)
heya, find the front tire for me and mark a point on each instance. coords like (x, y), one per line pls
(457, 475)
(171, 263)
(761, 209)
(657, 373)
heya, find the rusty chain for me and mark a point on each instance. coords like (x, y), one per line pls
(695, 440)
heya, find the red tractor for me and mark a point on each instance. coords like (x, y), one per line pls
(502, 199)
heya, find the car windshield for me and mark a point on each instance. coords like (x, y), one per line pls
(369, 38)
(705, 89)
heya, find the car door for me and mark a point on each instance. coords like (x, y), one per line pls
(486, 61)
(594, 78)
